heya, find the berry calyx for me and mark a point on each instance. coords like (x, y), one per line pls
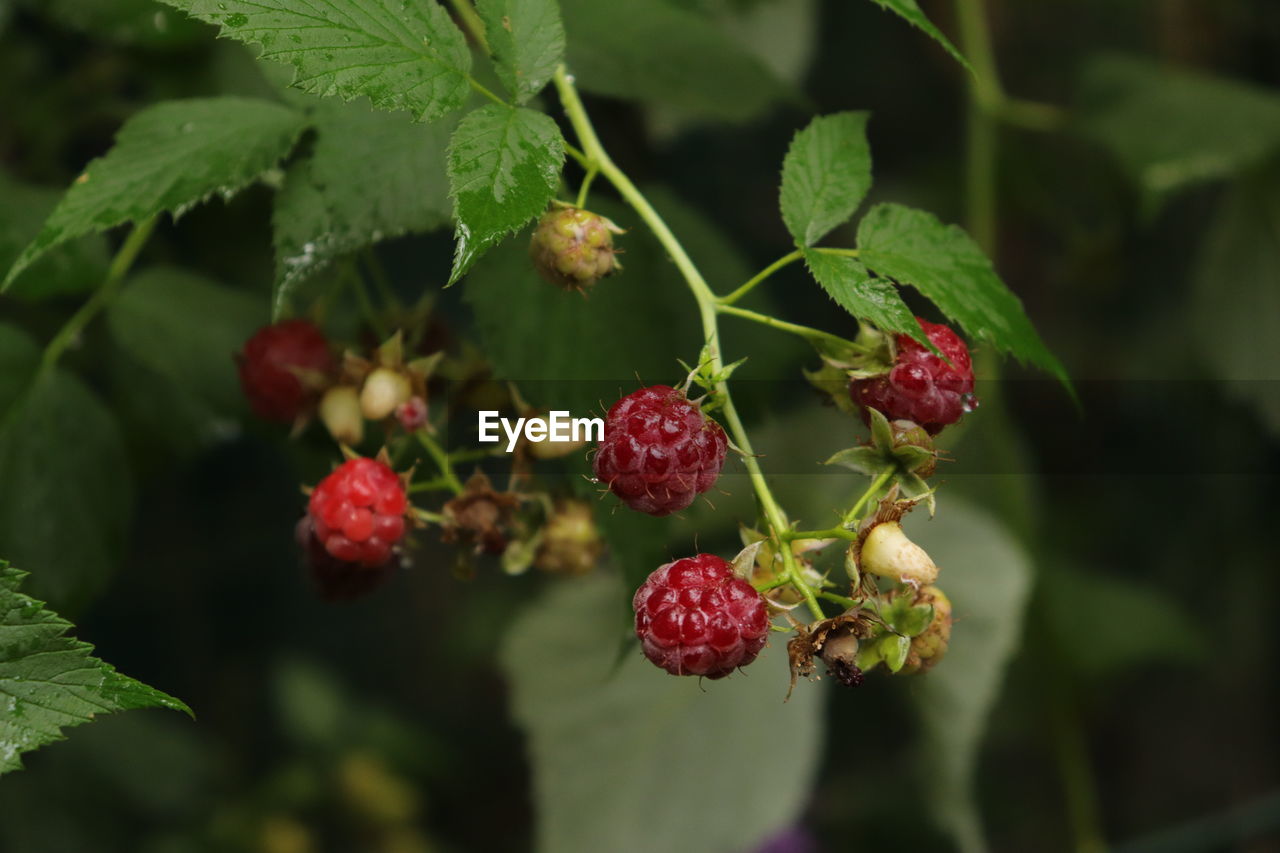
(283, 367)
(357, 512)
(571, 544)
(573, 248)
(910, 434)
(659, 451)
(921, 386)
(696, 617)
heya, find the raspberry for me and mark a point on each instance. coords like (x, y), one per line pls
(357, 512)
(659, 451)
(573, 248)
(280, 367)
(334, 579)
(920, 386)
(695, 617)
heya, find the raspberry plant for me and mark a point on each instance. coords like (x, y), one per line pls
(335, 352)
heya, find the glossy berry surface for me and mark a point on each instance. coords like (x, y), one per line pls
(920, 386)
(695, 617)
(357, 512)
(659, 451)
(272, 365)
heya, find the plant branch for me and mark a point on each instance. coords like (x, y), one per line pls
(876, 485)
(471, 23)
(442, 460)
(706, 301)
(814, 336)
(102, 297)
(761, 276)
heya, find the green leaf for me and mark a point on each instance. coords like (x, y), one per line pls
(1171, 128)
(602, 736)
(825, 175)
(400, 55)
(60, 449)
(527, 40)
(612, 48)
(371, 176)
(894, 649)
(864, 460)
(73, 268)
(1235, 302)
(947, 266)
(1130, 624)
(169, 157)
(987, 576)
(187, 329)
(863, 295)
(910, 12)
(49, 681)
(504, 167)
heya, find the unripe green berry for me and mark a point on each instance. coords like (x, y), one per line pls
(384, 390)
(910, 433)
(340, 413)
(573, 248)
(928, 647)
(571, 543)
(886, 551)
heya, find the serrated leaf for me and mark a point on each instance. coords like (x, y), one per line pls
(987, 576)
(1170, 127)
(71, 268)
(825, 175)
(601, 736)
(187, 329)
(371, 176)
(1235, 301)
(400, 55)
(612, 48)
(49, 681)
(864, 296)
(169, 157)
(60, 449)
(910, 12)
(504, 167)
(947, 266)
(527, 41)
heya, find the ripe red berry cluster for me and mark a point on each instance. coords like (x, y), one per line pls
(659, 450)
(273, 364)
(357, 512)
(920, 386)
(695, 617)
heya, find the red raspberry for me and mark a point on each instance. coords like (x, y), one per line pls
(271, 363)
(922, 387)
(357, 512)
(659, 450)
(334, 579)
(695, 617)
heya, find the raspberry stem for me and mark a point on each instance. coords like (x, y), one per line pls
(442, 460)
(814, 336)
(876, 485)
(598, 159)
(742, 291)
(120, 265)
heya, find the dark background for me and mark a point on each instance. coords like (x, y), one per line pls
(1143, 696)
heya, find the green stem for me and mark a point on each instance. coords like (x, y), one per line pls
(874, 489)
(828, 533)
(761, 276)
(706, 301)
(438, 455)
(102, 297)
(586, 187)
(843, 600)
(814, 336)
(470, 20)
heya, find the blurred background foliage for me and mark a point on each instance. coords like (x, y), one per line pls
(1116, 557)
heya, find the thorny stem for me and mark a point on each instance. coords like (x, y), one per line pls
(442, 460)
(102, 297)
(706, 300)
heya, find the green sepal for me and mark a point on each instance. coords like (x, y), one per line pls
(895, 650)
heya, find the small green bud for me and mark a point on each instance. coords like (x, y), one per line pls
(911, 434)
(573, 248)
